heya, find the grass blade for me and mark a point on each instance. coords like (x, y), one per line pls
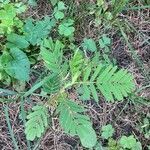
(23, 114)
(9, 127)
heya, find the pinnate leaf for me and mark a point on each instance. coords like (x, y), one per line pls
(35, 32)
(75, 123)
(52, 55)
(114, 84)
(53, 85)
(37, 122)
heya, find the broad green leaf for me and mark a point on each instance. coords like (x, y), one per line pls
(16, 64)
(15, 40)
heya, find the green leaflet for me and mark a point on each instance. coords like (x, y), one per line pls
(16, 64)
(35, 32)
(37, 122)
(4, 1)
(20, 7)
(75, 123)
(87, 136)
(15, 40)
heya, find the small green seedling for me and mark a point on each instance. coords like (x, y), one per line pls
(107, 131)
(130, 143)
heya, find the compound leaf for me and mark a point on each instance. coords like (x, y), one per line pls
(75, 123)
(53, 85)
(58, 10)
(113, 84)
(37, 122)
(35, 32)
(76, 63)
(52, 55)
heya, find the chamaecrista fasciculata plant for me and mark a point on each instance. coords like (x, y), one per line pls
(89, 78)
